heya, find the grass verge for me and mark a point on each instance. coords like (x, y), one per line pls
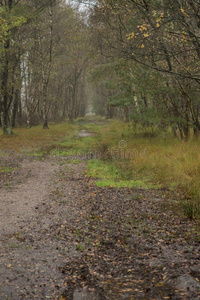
(158, 159)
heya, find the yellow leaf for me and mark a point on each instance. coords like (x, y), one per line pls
(143, 28)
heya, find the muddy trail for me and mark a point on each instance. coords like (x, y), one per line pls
(62, 237)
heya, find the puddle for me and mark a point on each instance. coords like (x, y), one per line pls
(84, 133)
(80, 294)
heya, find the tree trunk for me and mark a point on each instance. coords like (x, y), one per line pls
(181, 132)
(186, 127)
(45, 125)
(28, 121)
(5, 122)
(4, 86)
(196, 132)
(15, 108)
(45, 115)
(45, 109)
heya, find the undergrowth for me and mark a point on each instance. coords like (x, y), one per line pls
(161, 159)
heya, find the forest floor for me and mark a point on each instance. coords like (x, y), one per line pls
(63, 237)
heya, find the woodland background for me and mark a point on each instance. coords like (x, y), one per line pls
(137, 60)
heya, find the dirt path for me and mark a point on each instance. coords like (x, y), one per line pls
(18, 203)
(24, 256)
(64, 238)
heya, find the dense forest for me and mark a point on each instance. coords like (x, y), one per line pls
(137, 60)
(44, 56)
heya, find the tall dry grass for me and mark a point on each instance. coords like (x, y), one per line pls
(168, 162)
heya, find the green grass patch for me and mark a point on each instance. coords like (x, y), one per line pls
(3, 154)
(102, 169)
(60, 152)
(36, 153)
(112, 175)
(137, 184)
(75, 145)
(78, 143)
(80, 247)
(75, 161)
(7, 169)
